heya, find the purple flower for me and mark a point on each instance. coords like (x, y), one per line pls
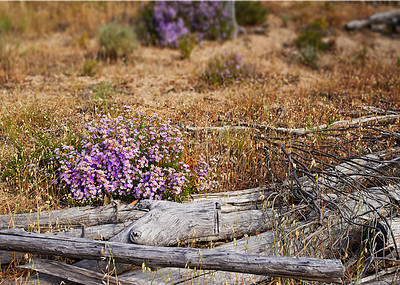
(171, 20)
(131, 155)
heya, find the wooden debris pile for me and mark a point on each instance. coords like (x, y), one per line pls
(336, 195)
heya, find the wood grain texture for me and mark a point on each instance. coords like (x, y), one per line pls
(298, 268)
(105, 231)
(73, 217)
(232, 201)
(171, 223)
(262, 244)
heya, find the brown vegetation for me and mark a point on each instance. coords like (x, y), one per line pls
(43, 89)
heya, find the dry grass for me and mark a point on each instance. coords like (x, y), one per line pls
(43, 92)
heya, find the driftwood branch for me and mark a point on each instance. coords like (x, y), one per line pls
(337, 125)
(73, 217)
(298, 268)
(243, 126)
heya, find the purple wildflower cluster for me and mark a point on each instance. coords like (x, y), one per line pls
(168, 21)
(130, 155)
(225, 69)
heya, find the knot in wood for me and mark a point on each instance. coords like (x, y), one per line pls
(135, 235)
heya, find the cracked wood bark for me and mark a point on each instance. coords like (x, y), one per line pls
(263, 244)
(168, 223)
(158, 209)
(298, 268)
(105, 231)
(248, 199)
(73, 217)
(72, 273)
(77, 217)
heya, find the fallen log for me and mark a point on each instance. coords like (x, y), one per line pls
(6, 257)
(104, 232)
(350, 171)
(241, 199)
(164, 224)
(72, 273)
(387, 18)
(297, 268)
(263, 244)
(73, 217)
(169, 223)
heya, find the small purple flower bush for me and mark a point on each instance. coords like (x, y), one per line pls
(225, 69)
(129, 156)
(164, 23)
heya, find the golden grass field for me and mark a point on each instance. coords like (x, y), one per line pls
(42, 86)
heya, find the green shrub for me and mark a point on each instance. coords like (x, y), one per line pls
(312, 35)
(310, 42)
(89, 67)
(225, 69)
(186, 45)
(285, 20)
(250, 13)
(308, 56)
(6, 24)
(116, 41)
(398, 61)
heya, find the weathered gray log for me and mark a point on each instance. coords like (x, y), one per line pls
(366, 205)
(386, 18)
(169, 223)
(105, 231)
(298, 268)
(6, 257)
(116, 212)
(248, 199)
(72, 273)
(357, 24)
(263, 244)
(351, 170)
(73, 217)
(95, 232)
